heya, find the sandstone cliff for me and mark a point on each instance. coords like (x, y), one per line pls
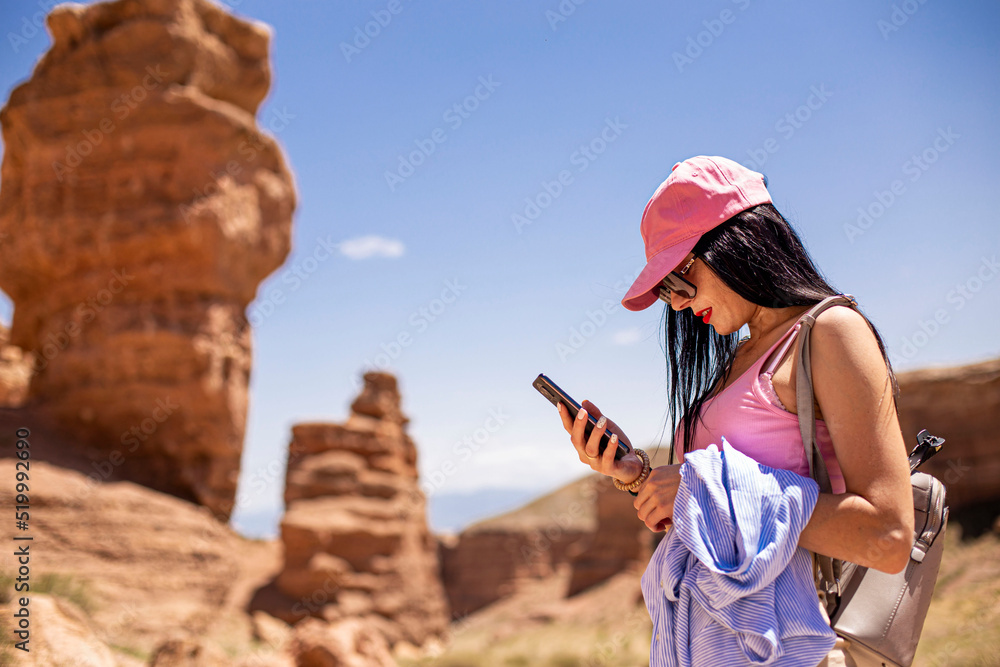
(140, 207)
(124, 576)
(962, 405)
(620, 541)
(117, 570)
(495, 558)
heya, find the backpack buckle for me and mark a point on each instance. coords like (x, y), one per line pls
(927, 446)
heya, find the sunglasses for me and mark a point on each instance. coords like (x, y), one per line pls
(675, 282)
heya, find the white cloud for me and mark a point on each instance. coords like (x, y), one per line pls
(366, 247)
(628, 336)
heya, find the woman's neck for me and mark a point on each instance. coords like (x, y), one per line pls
(764, 321)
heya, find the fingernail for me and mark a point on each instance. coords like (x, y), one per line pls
(614, 438)
(582, 414)
(602, 421)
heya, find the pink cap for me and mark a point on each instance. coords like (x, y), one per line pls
(699, 194)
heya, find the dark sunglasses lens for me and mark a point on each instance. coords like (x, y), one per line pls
(676, 284)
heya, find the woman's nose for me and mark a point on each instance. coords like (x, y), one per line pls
(678, 302)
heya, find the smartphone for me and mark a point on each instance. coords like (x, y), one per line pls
(551, 391)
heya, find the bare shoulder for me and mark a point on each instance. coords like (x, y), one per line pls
(842, 331)
(845, 353)
(842, 319)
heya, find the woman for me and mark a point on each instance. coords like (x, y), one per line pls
(722, 257)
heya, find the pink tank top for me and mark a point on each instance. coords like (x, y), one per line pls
(753, 420)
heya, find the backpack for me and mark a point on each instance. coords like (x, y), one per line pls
(880, 615)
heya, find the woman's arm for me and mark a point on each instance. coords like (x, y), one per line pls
(872, 523)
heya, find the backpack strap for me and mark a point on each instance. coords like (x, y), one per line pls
(804, 389)
(829, 568)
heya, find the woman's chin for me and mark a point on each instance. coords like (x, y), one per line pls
(722, 330)
(720, 327)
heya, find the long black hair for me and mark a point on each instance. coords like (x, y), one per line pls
(759, 256)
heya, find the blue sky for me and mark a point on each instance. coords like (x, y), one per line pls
(875, 123)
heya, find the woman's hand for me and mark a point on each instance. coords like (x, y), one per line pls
(655, 502)
(626, 469)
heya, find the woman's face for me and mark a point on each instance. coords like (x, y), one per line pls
(715, 303)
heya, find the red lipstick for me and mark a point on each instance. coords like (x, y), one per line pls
(705, 314)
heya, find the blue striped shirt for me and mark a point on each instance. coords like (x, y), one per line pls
(729, 585)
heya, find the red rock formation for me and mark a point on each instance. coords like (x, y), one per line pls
(349, 643)
(495, 558)
(141, 565)
(620, 541)
(140, 208)
(482, 566)
(355, 530)
(962, 405)
(187, 652)
(59, 633)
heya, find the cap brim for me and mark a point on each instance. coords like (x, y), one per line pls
(642, 295)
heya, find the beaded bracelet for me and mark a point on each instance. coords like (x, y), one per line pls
(637, 482)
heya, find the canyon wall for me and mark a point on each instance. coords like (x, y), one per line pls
(962, 405)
